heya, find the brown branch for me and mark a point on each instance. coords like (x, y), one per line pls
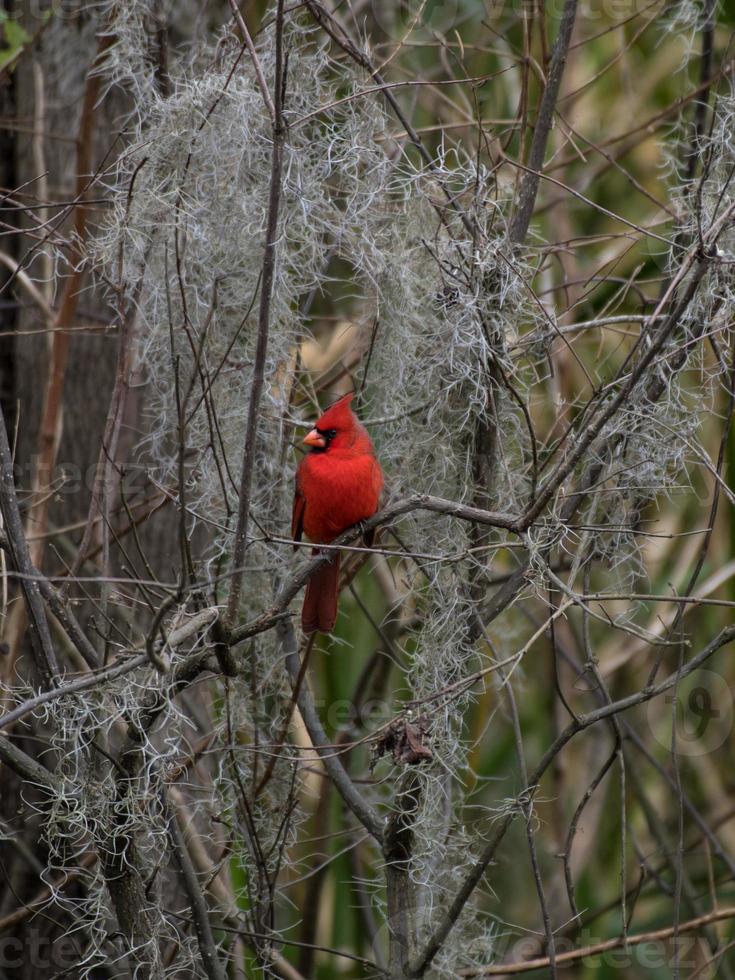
(266, 290)
(400, 890)
(122, 863)
(41, 644)
(530, 183)
(200, 913)
(100, 499)
(364, 812)
(36, 904)
(24, 765)
(262, 84)
(67, 620)
(73, 687)
(573, 956)
(51, 412)
(437, 505)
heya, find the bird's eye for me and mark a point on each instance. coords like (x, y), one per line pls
(331, 433)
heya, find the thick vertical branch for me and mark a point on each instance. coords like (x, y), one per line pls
(692, 153)
(200, 914)
(50, 428)
(264, 312)
(401, 891)
(40, 636)
(336, 771)
(544, 121)
(51, 412)
(101, 490)
(124, 873)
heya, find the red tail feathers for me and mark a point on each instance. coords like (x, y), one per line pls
(320, 601)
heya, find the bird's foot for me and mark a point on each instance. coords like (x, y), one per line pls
(367, 533)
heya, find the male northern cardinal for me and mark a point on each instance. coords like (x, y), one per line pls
(338, 483)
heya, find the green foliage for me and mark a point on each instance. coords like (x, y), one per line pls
(13, 40)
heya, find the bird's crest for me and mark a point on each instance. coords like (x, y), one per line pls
(338, 416)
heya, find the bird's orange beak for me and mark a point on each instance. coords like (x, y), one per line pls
(315, 439)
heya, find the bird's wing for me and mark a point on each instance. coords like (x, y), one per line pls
(376, 475)
(297, 515)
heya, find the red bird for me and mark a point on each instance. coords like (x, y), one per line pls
(338, 484)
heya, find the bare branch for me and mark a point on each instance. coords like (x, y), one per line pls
(544, 121)
(266, 289)
(337, 773)
(40, 637)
